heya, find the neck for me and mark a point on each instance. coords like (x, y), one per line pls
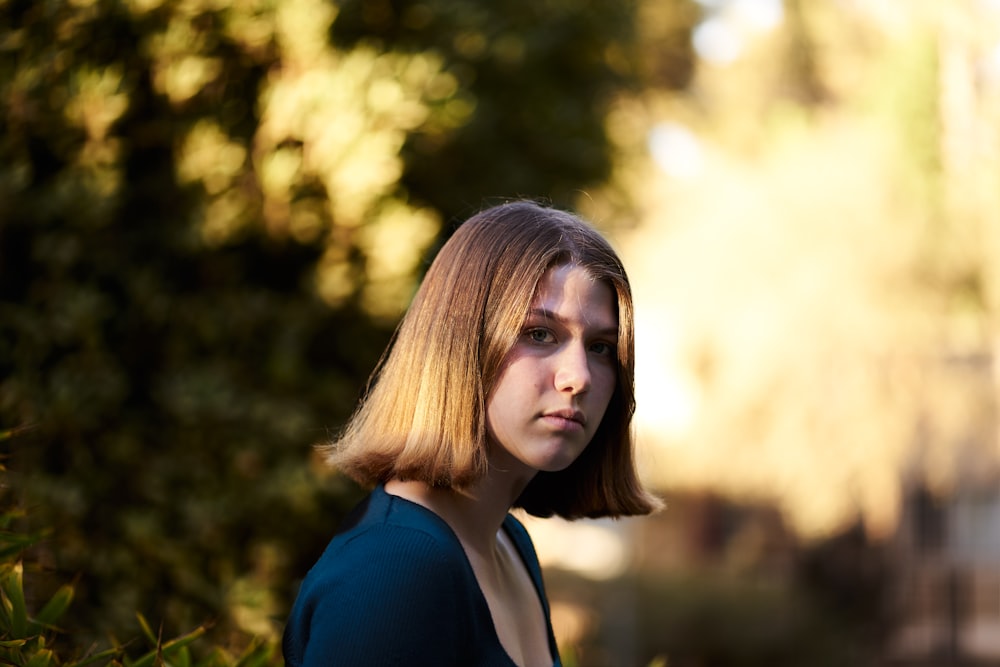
(475, 513)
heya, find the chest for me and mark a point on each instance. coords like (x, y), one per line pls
(515, 607)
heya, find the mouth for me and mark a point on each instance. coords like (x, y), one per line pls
(573, 416)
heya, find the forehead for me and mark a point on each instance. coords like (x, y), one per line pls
(571, 291)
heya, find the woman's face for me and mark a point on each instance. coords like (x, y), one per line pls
(556, 382)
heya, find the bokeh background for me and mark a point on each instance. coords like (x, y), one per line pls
(212, 215)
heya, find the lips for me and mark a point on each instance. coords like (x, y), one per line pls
(567, 415)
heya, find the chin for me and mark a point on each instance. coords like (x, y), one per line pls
(557, 462)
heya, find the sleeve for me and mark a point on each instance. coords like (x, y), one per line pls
(386, 598)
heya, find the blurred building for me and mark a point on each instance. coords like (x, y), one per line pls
(947, 587)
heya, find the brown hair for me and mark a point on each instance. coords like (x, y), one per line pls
(424, 417)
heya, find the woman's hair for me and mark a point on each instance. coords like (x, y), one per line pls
(424, 416)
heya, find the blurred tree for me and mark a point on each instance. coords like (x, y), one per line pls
(210, 219)
(165, 371)
(535, 81)
(829, 322)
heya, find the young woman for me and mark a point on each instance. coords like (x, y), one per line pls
(509, 384)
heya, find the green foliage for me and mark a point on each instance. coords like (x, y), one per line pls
(27, 637)
(538, 77)
(193, 198)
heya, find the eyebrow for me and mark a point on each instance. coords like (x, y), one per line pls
(544, 313)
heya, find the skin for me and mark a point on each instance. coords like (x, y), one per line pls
(557, 380)
(552, 392)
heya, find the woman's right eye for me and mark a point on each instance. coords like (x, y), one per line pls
(540, 335)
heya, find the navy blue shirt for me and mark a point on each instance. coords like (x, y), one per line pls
(394, 587)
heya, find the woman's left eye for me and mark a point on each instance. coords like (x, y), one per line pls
(602, 348)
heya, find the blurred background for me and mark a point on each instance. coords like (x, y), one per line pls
(212, 215)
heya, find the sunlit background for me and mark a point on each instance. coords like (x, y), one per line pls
(815, 276)
(212, 214)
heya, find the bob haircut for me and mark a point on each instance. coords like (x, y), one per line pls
(424, 415)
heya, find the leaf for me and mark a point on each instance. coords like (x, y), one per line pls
(182, 659)
(106, 655)
(216, 658)
(13, 542)
(13, 643)
(13, 591)
(55, 607)
(5, 613)
(168, 649)
(180, 642)
(7, 517)
(256, 656)
(42, 658)
(147, 631)
(9, 433)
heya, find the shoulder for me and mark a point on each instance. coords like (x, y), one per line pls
(393, 581)
(384, 544)
(385, 557)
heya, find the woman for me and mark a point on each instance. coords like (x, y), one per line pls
(509, 384)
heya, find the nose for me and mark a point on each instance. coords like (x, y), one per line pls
(572, 373)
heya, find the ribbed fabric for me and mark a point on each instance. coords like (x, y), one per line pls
(394, 587)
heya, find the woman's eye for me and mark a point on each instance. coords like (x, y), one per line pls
(604, 349)
(540, 335)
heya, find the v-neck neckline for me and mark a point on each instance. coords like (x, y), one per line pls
(533, 574)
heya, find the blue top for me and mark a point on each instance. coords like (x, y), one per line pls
(394, 587)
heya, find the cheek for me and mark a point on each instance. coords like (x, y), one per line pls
(504, 396)
(517, 376)
(605, 381)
